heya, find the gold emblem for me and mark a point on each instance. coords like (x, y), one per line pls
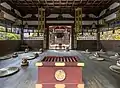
(60, 75)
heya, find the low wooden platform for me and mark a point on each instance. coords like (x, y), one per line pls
(96, 74)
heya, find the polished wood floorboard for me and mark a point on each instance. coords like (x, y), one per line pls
(95, 74)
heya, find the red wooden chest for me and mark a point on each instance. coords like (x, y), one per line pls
(60, 72)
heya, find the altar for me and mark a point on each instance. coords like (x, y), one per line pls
(60, 72)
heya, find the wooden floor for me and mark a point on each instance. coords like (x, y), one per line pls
(96, 74)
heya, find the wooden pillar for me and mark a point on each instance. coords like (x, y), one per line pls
(78, 25)
(108, 26)
(41, 25)
(38, 22)
(47, 36)
(11, 28)
(72, 35)
(6, 26)
(98, 36)
(22, 33)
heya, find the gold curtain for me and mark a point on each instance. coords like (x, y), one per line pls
(41, 20)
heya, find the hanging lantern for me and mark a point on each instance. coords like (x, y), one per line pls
(93, 26)
(26, 25)
(60, 17)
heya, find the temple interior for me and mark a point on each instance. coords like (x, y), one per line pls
(59, 31)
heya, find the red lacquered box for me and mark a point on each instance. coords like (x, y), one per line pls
(60, 72)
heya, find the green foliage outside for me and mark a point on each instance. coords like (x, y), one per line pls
(109, 35)
(34, 34)
(9, 36)
(2, 29)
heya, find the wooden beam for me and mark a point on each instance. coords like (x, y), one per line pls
(53, 2)
(73, 3)
(100, 2)
(40, 3)
(63, 19)
(80, 1)
(51, 24)
(108, 1)
(15, 7)
(71, 11)
(60, 23)
(94, 2)
(86, 3)
(66, 2)
(13, 4)
(35, 4)
(1, 1)
(110, 12)
(7, 21)
(28, 4)
(9, 12)
(46, 3)
(60, 3)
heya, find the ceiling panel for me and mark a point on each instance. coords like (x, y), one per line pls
(30, 6)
